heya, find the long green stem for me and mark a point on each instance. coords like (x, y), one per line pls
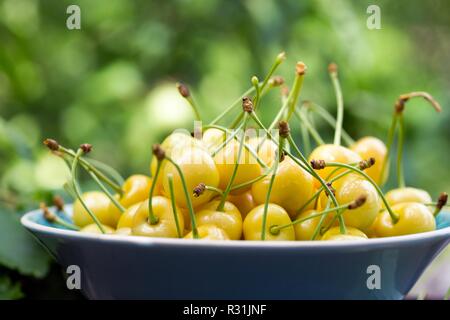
(400, 143)
(339, 210)
(321, 221)
(221, 205)
(250, 182)
(88, 167)
(152, 219)
(362, 173)
(328, 118)
(188, 198)
(297, 88)
(77, 189)
(246, 145)
(174, 206)
(232, 106)
(106, 191)
(66, 224)
(305, 123)
(340, 107)
(227, 140)
(269, 190)
(214, 189)
(194, 107)
(390, 141)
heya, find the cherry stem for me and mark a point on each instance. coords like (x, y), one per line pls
(401, 140)
(328, 118)
(89, 167)
(214, 189)
(342, 227)
(306, 123)
(78, 191)
(250, 182)
(106, 191)
(227, 140)
(321, 221)
(188, 198)
(152, 219)
(394, 217)
(232, 106)
(246, 145)
(221, 205)
(304, 164)
(174, 206)
(340, 106)
(390, 141)
(339, 210)
(269, 191)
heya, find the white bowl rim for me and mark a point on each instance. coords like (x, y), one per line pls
(418, 237)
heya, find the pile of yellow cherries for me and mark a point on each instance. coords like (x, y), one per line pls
(247, 180)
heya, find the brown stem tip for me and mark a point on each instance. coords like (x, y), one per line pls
(183, 90)
(198, 190)
(318, 164)
(332, 68)
(442, 200)
(300, 68)
(365, 164)
(276, 81)
(51, 144)
(58, 202)
(48, 215)
(283, 129)
(357, 203)
(86, 147)
(247, 104)
(331, 188)
(284, 91)
(158, 152)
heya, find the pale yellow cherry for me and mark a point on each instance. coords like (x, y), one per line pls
(352, 234)
(93, 228)
(248, 168)
(371, 147)
(99, 204)
(292, 187)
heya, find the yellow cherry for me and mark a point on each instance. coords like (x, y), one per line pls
(276, 216)
(352, 234)
(93, 228)
(209, 232)
(124, 232)
(248, 168)
(413, 217)
(173, 145)
(350, 188)
(266, 151)
(230, 219)
(212, 138)
(197, 167)
(135, 189)
(163, 211)
(99, 204)
(402, 195)
(305, 230)
(333, 153)
(371, 147)
(126, 219)
(292, 187)
(244, 202)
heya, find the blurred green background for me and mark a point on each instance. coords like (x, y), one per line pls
(112, 84)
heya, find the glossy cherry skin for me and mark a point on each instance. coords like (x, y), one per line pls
(166, 225)
(413, 218)
(126, 219)
(99, 204)
(292, 187)
(212, 138)
(229, 220)
(371, 147)
(408, 194)
(333, 153)
(197, 167)
(244, 202)
(93, 228)
(209, 232)
(349, 189)
(248, 168)
(352, 234)
(276, 216)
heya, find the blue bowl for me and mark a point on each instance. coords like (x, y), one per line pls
(121, 267)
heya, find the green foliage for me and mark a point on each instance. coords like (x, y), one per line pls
(9, 290)
(18, 250)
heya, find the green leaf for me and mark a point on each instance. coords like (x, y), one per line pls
(18, 249)
(9, 290)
